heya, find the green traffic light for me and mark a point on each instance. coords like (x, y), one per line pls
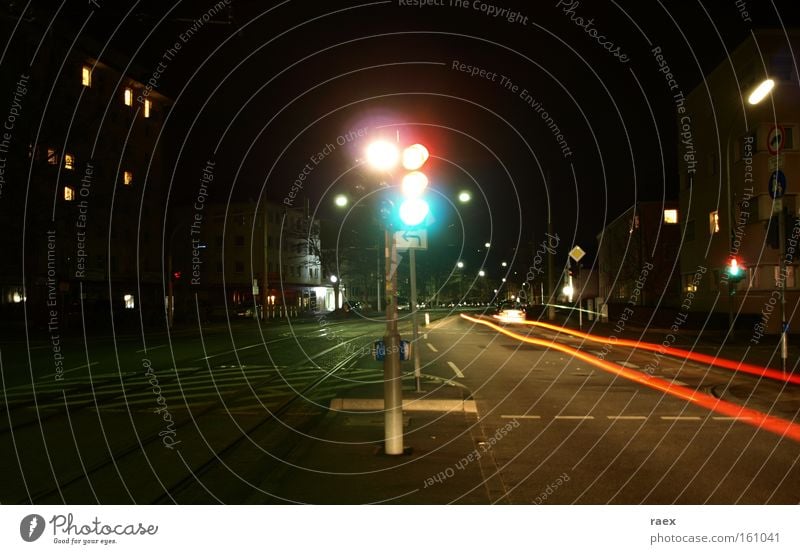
(413, 211)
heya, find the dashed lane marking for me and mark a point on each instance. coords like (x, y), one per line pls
(681, 418)
(455, 369)
(521, 417)
(627, 417)
(574, 417)
(432, 347)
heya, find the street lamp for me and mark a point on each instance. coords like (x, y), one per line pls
(487, 245)
(464, 197)
(460, 265)
(504, 264)
(340, 200)
(481, 273)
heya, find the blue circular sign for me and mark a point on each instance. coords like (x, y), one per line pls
(777, 184)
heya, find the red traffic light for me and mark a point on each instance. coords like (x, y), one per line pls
(177, 275)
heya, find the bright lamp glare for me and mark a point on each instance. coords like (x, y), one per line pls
(481, 273)
(382, 155)
(414, 157)
(414, 183)
(413, 211)
(340, 200)
(464, 197)
(761, 91)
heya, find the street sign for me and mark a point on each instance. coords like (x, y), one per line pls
(776, 139)
(577, 253)
(777, 184)
(417, 239)
(379, 350)
(776, 162)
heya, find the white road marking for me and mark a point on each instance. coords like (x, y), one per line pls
(151, 348)
(681, 418)
(229, 352)
(432, 347)
(520, 417)
(627, 417)
(726, 418)
(574, 417)
(455, 369)
(629, 364)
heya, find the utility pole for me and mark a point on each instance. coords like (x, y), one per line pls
(392, 381)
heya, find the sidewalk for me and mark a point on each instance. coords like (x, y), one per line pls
(344, 462)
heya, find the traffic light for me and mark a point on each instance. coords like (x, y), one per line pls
(734, 269)
(414, 209)
(176, 275)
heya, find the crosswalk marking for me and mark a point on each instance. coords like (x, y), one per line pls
(200, 388)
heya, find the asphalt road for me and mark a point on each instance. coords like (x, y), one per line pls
(588, 436)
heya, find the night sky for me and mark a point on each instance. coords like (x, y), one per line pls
(262, 87)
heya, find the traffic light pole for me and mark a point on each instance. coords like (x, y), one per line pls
(782, 281)
(392, 379)
(414, 322)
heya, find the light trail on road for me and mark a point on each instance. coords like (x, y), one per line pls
(756, 418)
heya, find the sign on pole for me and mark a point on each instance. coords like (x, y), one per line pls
(411, 239)
(577, 253)
(777, 184)
(776, 138)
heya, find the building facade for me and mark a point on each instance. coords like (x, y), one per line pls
(637, 261)
(731, 155)
(244, 259)
(83, 181)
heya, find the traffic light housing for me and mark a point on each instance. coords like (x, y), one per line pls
(413, 210)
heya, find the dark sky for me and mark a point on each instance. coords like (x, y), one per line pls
(268, 85)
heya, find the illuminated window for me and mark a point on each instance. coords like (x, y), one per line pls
(148, 105)
(127, 178)
(52, 157)
(670, 216)
(713, 222)
(130, 303)
(128, 96)
(86, 76)
(69, 194)
(69, 161)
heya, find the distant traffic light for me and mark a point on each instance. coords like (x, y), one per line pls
(177, 275)
(734, 269)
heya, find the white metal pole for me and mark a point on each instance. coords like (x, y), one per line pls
(414, 322)
(392, 380)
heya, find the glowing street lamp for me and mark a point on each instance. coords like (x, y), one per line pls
(464, 197)
(481, 273)
(460, 265)
(761, 91)
(340, 200)
(382, 155)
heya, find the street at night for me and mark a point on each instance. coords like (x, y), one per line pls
(536, 260)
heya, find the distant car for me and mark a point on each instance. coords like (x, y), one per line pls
(510, 312)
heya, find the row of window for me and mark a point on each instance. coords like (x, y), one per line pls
(757, 277)
(127, 92)
(288, 270)
(71, 193)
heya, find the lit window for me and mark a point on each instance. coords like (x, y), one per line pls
(69, 161)
(713, 222)
(52, 157)
(148, 105)
(127, 178)
(128, 97)
(670, 216)
(130, 303)
(86, 76)
(69, 194)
